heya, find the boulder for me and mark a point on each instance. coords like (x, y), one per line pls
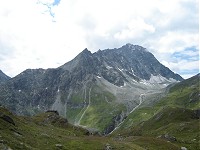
(183, 148)
(59, 145)
(7, 119)
(168, 137)
(108, 147)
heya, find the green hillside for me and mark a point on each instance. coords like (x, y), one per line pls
(175, 115)
(171, 123)
(100, 107)
(182, 95)
(177, 125)
(49, 131)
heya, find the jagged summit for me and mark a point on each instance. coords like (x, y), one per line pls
(133, 47)
(80, 59)
(85, 52)
(137, 61)
(116, 64)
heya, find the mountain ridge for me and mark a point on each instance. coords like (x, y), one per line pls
(106, 86)
(123, 54)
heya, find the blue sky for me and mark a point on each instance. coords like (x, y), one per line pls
(191, 53)
(188, 61)
(48, 33)
(56, 2)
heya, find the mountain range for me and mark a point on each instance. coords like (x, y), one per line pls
(171, 123)
(124, 93)
(97, 90)
(112, 80)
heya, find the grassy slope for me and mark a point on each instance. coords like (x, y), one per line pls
(101, 111)
(173, 115)
(99, 114)
(183, 95)
(183, 124)
(47, 130)
(177, 107)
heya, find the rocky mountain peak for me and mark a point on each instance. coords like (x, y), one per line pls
(85, 52)
(120, 74)
(129, 46)
(115, 64)
(80, 59)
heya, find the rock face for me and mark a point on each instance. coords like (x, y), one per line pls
(96, 85)
(115, 64)
(3, 77)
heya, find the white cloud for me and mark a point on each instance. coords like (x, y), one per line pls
(31, 37)
(174, 41)
(46, 1)
(186, 76)
(182, 65)
(135, 29)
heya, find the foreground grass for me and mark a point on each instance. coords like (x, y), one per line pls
(171, 123)
(49, 131)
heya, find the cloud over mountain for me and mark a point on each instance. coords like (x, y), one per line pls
(48, 33)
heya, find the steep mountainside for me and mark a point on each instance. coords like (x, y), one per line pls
(3, 77)
(115, 65)
(94, 90)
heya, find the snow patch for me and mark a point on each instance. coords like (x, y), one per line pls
(120, 69)
(132, 71)
(173, 80)
(144, 82)
(123, 85)
(158, 80)
(109, 67)
(99, 77)
(19, 90)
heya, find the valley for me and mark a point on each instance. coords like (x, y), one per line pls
(121, 98)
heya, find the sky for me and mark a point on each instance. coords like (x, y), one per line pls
(49, 33)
